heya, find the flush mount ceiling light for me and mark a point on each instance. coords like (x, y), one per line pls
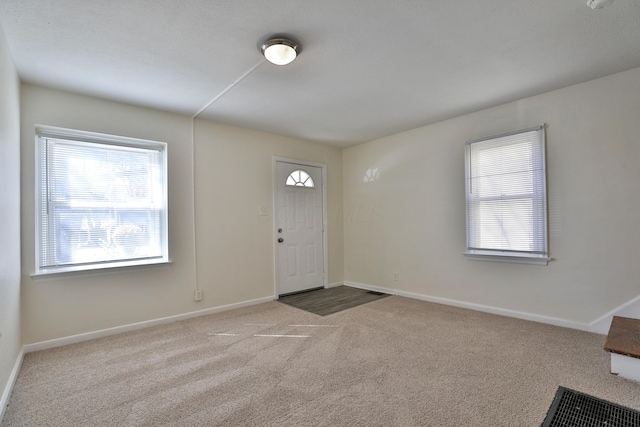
(280, 51)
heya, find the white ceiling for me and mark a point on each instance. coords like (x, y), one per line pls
(368, 68)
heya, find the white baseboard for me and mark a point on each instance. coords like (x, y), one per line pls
(380, 289)
(629, 309)
(477, 307)
(333, 285)
(43, 345)
(6, 394)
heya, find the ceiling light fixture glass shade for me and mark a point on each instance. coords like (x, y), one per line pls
(280, 51)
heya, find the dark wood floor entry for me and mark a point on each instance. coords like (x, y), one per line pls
(331, 300)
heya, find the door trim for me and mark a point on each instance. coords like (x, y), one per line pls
(275, 160)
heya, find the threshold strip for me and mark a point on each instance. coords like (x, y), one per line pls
(315, 326)
(281, 336)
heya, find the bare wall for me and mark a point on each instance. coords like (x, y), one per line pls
(234, 177)
(235, 251)
(71, 304)
(411, 220)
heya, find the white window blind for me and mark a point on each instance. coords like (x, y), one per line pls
(102, 201)
(506, 195)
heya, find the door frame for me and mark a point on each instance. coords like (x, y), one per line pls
(275, 160)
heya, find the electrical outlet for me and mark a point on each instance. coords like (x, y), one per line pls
(197, 295)
(395, 276)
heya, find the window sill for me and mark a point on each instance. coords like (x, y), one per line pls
(507, 257)
(100, 269)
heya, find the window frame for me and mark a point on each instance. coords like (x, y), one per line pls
(539, 199)
(87, 138)
(297, 182)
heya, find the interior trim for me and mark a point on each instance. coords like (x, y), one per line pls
(479, 307)
(6, 394)
(57, 342)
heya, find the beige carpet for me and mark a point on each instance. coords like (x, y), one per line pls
(392, 362)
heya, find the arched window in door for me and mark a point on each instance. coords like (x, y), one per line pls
(299, 178)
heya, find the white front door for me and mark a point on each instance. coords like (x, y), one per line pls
(299, 227)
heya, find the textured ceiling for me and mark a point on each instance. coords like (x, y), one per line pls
(368, 68)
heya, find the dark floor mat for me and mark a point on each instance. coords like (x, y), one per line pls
(572, 409)
(331, 300)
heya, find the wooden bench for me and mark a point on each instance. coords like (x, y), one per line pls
(623, 342)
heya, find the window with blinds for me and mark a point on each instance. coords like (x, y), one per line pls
(506, 197)
(102, 201)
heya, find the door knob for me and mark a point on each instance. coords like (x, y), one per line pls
(280, 240)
